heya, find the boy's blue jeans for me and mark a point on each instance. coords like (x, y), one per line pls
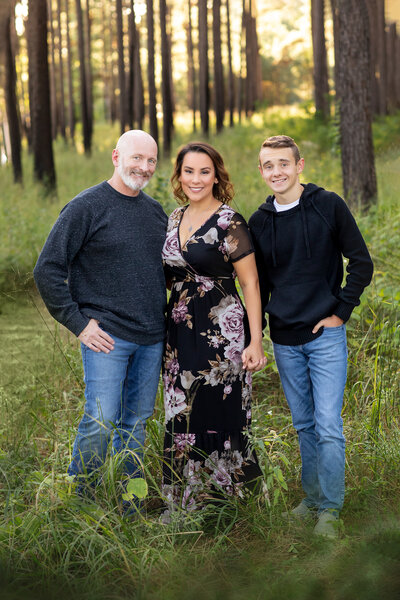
(120, 393)
(313, 377)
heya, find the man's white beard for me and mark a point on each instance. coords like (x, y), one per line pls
(129, 182)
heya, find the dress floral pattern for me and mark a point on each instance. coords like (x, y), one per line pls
(207, 394)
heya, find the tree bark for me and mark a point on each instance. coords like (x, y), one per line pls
(231, 79)
(71, 101)
(192, 86)
(86, 127)
(166, 80)
(39, 97)
(52, 68)
(203, 67)
(372, 16)
(353, 90)
(381, 56)
(61, 71)
(10, 82)
(321, 85)
(121, 68)
(88, 62)
(219, 99)
(392, 67)
(150, 71)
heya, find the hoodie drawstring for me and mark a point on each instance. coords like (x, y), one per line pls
(305, 230)
(273, 240)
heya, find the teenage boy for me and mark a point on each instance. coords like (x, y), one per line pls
(301, 234)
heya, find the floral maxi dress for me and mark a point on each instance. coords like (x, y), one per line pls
(207, 394)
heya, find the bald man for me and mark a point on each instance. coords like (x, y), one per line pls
(100, 274)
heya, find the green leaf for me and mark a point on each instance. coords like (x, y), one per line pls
(137, 487)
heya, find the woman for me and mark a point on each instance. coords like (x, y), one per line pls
(207, 368)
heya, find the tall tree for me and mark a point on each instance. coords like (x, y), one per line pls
(392, 67)
(52, 70)
(10, 94)
(39, 98)
(374, 69)
(132, 41)
(87, 42)
(71, 101)
(253, 61)
(61, 71)
(151, 71)
(353, 92)
(381, 56)
(138, 98)
(219, 99)
(192, 85)
(203, 66)
(231, 79)
(121, 68)
(86, 125)
(321, 85)
(168, 121)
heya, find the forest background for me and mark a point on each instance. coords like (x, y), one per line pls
(326, 73)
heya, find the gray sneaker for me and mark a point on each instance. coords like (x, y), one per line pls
(302, 512)
(327, 525)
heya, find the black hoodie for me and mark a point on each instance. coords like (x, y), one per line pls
(299, 255)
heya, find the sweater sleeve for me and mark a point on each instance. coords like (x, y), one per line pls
(359, 268)
(51, 271)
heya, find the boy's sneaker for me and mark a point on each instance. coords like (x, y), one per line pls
(302, 512)
(327, 524)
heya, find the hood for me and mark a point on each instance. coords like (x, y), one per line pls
(306, 199)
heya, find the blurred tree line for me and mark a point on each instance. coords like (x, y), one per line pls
(140, 62)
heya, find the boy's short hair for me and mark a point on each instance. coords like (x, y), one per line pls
(282, 141)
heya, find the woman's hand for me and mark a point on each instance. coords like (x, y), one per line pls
(253, 357)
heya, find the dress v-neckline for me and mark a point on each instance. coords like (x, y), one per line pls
(182, 246)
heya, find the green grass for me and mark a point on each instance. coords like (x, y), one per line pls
(52, 546)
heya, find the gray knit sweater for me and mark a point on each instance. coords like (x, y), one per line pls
(102, 260)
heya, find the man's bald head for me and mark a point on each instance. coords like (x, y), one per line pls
(133, 139)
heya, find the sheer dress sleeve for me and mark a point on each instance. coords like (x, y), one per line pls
(238, 243)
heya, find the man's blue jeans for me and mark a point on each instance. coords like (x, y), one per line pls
(120, 393)
(313, 377)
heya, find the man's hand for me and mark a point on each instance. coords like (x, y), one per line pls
(95, 338)
(332, 321)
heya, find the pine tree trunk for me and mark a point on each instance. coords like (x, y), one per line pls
(219, 99)
(151, 72)
(87, 133)
(321, 86)
(192, 87)
(121, 68)
(61, 71)
(372, 13)
(39, 94)
(381, 56)
(106, 67)
(88, 65)
(203, 66)
(71, 101)
(132, 41)
(138, 99)
(231, 80)
(52, 69)
(353, 90)
(392, 67)
(10, 94)
(166, 80)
